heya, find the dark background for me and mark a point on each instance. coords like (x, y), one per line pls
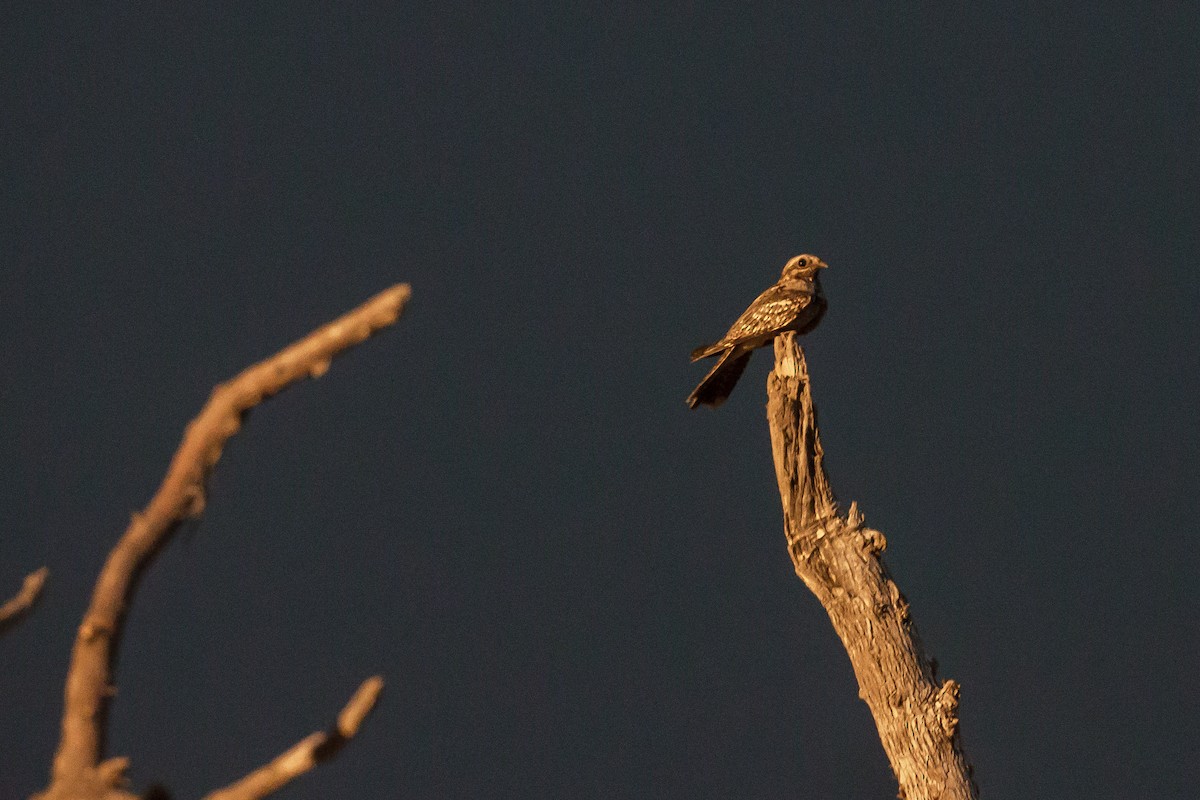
(574, 586)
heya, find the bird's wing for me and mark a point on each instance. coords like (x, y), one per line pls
(772, 311)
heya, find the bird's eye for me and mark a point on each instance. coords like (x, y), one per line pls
(802, 262)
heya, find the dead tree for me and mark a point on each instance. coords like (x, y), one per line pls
(838, 558)
(80, 771)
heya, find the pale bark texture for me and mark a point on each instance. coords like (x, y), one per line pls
(837, 557)
(78, 772)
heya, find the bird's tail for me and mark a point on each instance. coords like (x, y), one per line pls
(707, 350)
(721, 379)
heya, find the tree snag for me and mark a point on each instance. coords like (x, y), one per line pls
(78, 773)
(837, 557)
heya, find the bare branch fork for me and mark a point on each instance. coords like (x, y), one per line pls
(837, 557)
(78, 771)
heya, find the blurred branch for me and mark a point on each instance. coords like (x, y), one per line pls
(838, 559)
(15, 609)
(308, 752)
(181, 496)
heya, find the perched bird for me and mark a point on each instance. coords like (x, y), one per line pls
(794, 303)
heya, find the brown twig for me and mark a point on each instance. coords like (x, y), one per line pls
(308, 752)
(182, 495)
(15, 609)
(837, 557)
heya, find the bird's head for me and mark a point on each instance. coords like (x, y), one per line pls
(802, 268)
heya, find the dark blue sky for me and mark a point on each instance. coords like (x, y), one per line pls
(574, 586)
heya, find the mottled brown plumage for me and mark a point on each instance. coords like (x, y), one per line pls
(794, 303)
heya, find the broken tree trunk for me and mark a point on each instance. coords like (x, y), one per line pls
(837, 557)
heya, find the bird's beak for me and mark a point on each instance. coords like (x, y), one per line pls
(821, 265)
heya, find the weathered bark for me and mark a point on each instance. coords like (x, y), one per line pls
(837, 557)
(78, 772)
